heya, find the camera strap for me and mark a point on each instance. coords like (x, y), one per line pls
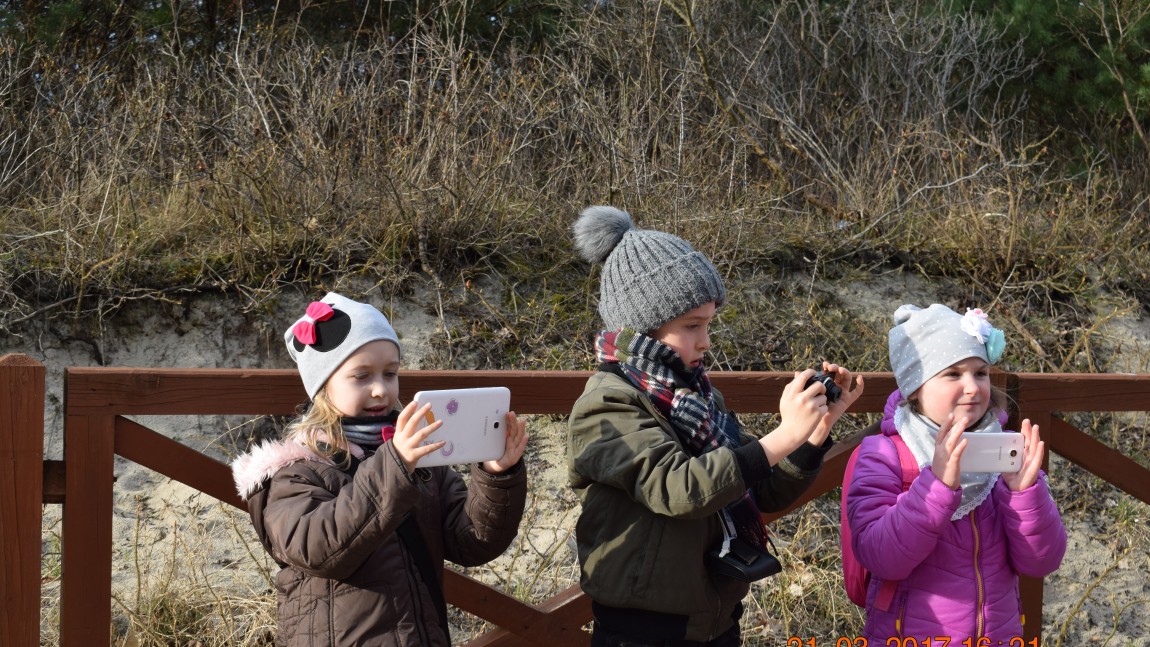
(729, 532)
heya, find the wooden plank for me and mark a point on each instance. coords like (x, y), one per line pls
(1082, 392)
(478, 599)
(54, 475)
(831, 474)
(170, 458)
(86, 585)
(138, 391)
(566, 614)
(21, 491)
(143, 391)
(122, 391)
(1098, 458)
(1030, 589)
(759, 392)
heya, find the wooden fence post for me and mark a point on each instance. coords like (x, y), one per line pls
(21, 498)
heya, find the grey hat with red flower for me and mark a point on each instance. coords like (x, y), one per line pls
(332, 329)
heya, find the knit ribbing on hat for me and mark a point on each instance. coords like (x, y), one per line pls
(649, 277)
(923, 343)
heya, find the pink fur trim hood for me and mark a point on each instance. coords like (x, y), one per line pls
(253, 468)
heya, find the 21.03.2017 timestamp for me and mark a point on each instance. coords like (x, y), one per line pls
(932, 641)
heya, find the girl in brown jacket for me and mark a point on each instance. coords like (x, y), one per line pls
(360, 532)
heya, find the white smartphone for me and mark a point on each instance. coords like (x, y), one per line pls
(992, 452)
(473, 424)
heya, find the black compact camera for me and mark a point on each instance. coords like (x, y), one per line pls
(828, 382)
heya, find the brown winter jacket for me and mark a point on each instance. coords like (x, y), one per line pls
(346, 579)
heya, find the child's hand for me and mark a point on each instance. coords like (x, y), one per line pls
(1033, 449)
(851, 390)
(409, 436)
(948, 447)
(800, 411)
(516, 445)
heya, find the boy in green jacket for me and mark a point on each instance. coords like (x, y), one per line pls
(664, 472)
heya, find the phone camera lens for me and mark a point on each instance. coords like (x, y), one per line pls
(1014, 452)
(497, 424)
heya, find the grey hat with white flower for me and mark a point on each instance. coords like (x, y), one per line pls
(923, 343)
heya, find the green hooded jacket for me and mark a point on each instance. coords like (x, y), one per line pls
(650, 509)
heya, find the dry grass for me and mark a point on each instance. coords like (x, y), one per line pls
(764, 136)
(765, 139)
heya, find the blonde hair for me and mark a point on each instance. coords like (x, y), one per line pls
(319, 427)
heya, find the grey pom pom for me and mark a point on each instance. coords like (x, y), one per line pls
(598, 230)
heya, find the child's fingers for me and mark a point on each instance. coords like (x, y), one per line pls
(955, 440)
(422, 433)
(515, 445)
(1033, 446)
(515, 428)
(1036, 440)
(419, 451)
(1029, 432)
(958, 449)
(516, 434)
(410, 425)
(842, 375)
(950, 431)
(1039, 454)
(1031, 467)
(798, 384)
(412, 413)
(514, 424)
(815, 395)
(410, 442)
(1035, 456)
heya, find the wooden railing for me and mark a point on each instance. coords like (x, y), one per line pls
(95, 431)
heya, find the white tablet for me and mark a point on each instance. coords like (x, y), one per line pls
(473, 424)
(992, 452)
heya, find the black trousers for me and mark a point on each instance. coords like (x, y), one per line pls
(601, 637)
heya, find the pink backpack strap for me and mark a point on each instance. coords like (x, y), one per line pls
(909, 466)
(906, 461)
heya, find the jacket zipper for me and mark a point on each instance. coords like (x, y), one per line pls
(979, 620)
(331, 613)
(901, 612)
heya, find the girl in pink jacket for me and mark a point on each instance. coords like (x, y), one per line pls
(955, 541)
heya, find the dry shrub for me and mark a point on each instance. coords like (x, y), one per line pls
(762, 134)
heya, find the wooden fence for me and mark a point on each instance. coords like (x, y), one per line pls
(95, 431)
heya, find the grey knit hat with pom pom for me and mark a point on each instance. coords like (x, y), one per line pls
(649, 277)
